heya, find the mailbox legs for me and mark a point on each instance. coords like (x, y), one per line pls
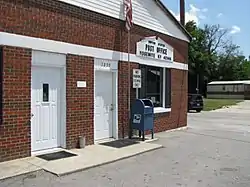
(143, 135)
(130, 133)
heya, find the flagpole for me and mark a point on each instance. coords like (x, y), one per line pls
(128, 16)
(129, 78)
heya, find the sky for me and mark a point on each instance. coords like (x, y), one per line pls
(233, 15)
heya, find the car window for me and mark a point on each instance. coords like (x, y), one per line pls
(199, 97)
(194, 97)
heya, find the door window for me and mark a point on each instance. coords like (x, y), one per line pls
(46, 92)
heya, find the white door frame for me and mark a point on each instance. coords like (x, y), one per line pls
(54, 60)
(112, 67)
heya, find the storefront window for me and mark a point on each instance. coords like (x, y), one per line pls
(156, 85)
(152, 84)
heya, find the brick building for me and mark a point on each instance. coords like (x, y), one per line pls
(64, 71)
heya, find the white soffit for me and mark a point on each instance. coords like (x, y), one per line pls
(146, 13)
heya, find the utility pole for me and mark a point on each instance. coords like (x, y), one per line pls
(197, 83)
(182, 12)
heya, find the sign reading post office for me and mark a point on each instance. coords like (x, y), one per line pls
(156, 48)
(136, 78)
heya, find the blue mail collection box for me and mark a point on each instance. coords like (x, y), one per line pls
(142, 115)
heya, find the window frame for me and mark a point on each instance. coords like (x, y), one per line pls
(166, 88)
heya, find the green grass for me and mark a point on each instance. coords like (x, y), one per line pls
(213, 104)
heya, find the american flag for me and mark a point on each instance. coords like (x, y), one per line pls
(128, 14)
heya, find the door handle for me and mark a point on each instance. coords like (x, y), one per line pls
(32, 115)
(111, 107)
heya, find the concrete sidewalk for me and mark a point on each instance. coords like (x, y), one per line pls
(90, 156)
(213, 151)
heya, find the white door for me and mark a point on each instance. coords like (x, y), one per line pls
(45, 97)
(103, 109)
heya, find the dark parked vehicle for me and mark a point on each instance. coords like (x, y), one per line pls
(195, 102)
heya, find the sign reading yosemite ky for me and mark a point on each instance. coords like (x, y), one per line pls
(152, 47)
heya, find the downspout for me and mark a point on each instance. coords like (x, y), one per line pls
(182, 21)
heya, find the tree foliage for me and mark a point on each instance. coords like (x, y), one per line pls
(213, 55)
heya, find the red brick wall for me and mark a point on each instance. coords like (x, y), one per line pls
(178, 115)
(55, 20)
(80, 101)
(123, 112)
(15, 129)
(163, 121)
